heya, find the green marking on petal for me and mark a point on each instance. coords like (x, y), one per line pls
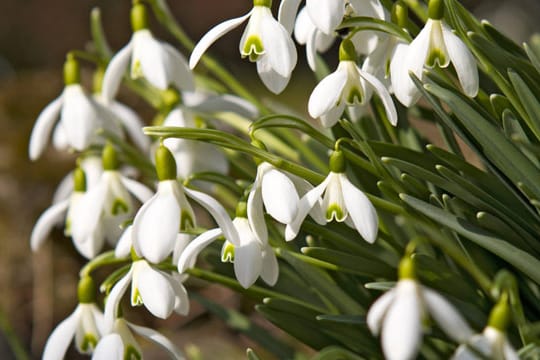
(89, 342)
(130, 353)
(334, 211)
(436, 56)
(227, 253)
(136, 299)
(186, 221)
(354, 93)
(119, 207)
(136, 70)
(253, 47)
(67, 227)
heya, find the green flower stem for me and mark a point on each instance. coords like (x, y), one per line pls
(98, 34)
(254, 291)
(164, 16)
(107, 258)
(418, 8)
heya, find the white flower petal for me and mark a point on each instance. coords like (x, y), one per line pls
(156, 226)
(326, 14)
(278, 45)
(403, 86)
(178, 70)
(275, 82)
(247, 263)
(156, 291)
(181, 300)
(287, 13)
(115, 71)
(509, 352)
(333, 115)
(159, 339)
(419, 50)
(60, 338)
(360, 209)
(446, 315)
(255, 215)
(279, 196)
(140, 191)
(402, 328)
(152, 59)
(88, 211)
(43, 126)
(463, 61)
(123, 248)
(79, 117)
(311, 50)
(218, 213)
(90, 245)
(110, 347)
(51, 217)
(132, 123)
(59, 138)
(211, 36)
(307, 202)
(270, 266)
(190, 253)
(327, 94)
(384, 95)
(111, 304)
(377, 311)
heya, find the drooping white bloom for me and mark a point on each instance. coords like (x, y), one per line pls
(492, 344)
(85, 324)
(251, 255)
(158, 62)
(108, 205)
(341, 201)
(158, 291)
(398, 316)
(264, 41)
(436, 44)
(162, 217)
(91, 165)
(79, 119)
(347, 86)
(119, 343)
(192, 156)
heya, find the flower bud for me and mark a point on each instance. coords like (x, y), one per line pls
(165, 164)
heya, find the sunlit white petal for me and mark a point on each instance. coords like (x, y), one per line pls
(43, 126)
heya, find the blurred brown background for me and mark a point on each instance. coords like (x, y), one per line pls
(38, 290)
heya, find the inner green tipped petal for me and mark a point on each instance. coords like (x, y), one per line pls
(136, 70)
(186, 221)
(437, 56)
(119, 207)
(89, 342)
(354, 96)
(227, 253)
(253, 47)
(136, 299)
(334, 211)
(130, 353)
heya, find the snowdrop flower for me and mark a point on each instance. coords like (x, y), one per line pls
(192, 156)
(398, 315)
(347, 86)
(161, 218)
(91, 165)
(63, 212)
(436, 44)
(158, 291)
(251, 255)
(108, 204)
(159, 63)
(342, 201)
(120, 344)
(492, 343)
(85, 324)
(264, 41)
(79, 117)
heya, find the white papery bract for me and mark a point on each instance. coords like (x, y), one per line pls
(492, 344)
(120, 344)
(107, 206)
(436, 44)
(79, 118)
(398, 316)
(342, 201)
(251, 255)
(85, 324)
(347, 86)
(158, 62)
(264, 41)
(159, 292)
(192, 156)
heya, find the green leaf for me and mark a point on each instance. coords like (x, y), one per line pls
(336, 353)
(502, 40)
(346, 319)
(251, 355)
(369, 23)
(520, 259)
(529, 102)
(380, 285)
